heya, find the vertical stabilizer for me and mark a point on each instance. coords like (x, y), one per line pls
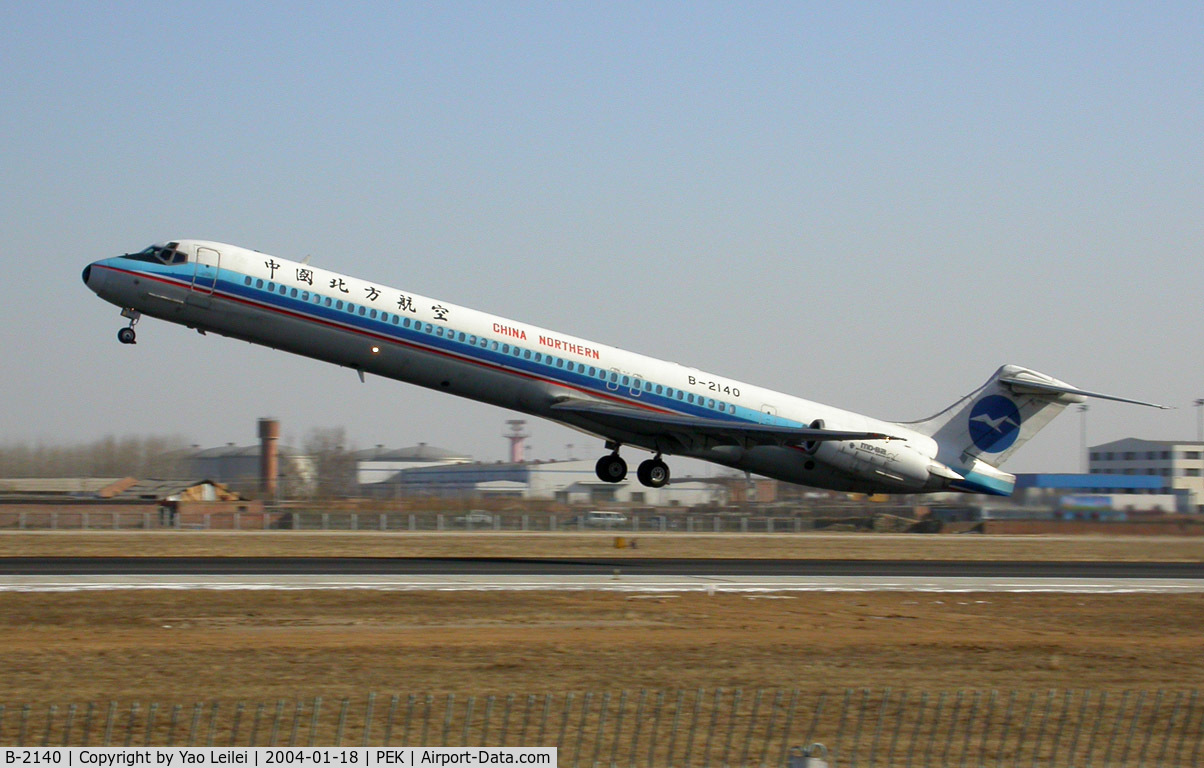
(991, 423)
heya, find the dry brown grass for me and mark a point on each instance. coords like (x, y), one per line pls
(186, 646)
(859, 546)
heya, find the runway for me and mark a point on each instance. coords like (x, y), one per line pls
(581, 574)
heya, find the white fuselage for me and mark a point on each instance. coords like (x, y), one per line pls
(402, 335)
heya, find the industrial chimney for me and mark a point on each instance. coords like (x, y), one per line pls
(269, 470)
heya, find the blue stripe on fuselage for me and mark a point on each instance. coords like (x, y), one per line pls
(416, 336)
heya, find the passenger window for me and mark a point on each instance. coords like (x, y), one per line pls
(626, 380)
(304, 295)
(710, 403)
(689, 398)
(338, 304)
(460, 338)
(293, 293)
(538, 357)
(614, 377)
(494, 348)
(395, 319)
(559, 363)
(659, 389)
(258, 283)
(406, 322)
(362, 312)
(731, 408)
(472, 340)
(592, 372)
(351, 307)
(681, 395)
(272, 287)
(247, 281)
(327, 301)
(283, 290)
(527, 354)
(439, 331)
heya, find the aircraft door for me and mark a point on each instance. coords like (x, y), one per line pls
(612, 381)
(205, 268)
(637, 382)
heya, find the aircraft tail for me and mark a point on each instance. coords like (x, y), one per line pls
(982, 430)
(992, 422)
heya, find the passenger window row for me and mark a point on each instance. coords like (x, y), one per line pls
(440, 331)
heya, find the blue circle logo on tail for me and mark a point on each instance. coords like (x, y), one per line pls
(994, 424)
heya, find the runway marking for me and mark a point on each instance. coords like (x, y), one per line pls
(631, 584)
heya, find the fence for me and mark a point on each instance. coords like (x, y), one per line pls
(705, 728)
(410, 521)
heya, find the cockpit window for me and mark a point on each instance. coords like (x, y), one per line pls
(154, 254)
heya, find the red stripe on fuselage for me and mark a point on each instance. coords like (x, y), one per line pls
(390, 339)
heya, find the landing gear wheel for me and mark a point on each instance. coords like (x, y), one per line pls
(611, 468)
(653, 473)
(126, 336)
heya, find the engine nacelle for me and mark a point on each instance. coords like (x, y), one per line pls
(895, 465)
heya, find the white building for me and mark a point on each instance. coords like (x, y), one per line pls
(1178, 464)
(569, 482)
(377, 465)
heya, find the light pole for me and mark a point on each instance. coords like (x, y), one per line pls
(1083, 437)
(1200, 420)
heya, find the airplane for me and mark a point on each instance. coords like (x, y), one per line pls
(620, 397)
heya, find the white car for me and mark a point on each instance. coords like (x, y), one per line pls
(600, 519)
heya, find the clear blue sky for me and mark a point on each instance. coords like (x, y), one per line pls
(867, 204)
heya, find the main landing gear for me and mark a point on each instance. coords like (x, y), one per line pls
(653, 473)
(126, 335)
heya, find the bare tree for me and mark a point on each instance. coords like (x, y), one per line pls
(110, 456)
(333, 461)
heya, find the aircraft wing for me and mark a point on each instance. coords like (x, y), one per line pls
(653, 424)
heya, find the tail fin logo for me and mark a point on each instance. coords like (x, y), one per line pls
(994, 424)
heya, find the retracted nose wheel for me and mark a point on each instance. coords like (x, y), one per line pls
(126, 336)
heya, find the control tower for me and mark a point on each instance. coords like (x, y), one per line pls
(516, 436)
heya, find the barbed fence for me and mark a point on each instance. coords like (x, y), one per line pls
(715, 728)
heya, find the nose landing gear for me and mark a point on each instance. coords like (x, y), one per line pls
(126, 335)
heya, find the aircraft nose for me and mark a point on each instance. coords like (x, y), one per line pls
(93, 278)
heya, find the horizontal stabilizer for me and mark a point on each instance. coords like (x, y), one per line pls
(1022, 383)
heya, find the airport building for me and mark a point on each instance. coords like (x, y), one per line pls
(567, 482)
(377, 465)
(1176, 466)
(239, 467)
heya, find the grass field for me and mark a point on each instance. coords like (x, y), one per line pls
(857, 546)
(168, 645)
